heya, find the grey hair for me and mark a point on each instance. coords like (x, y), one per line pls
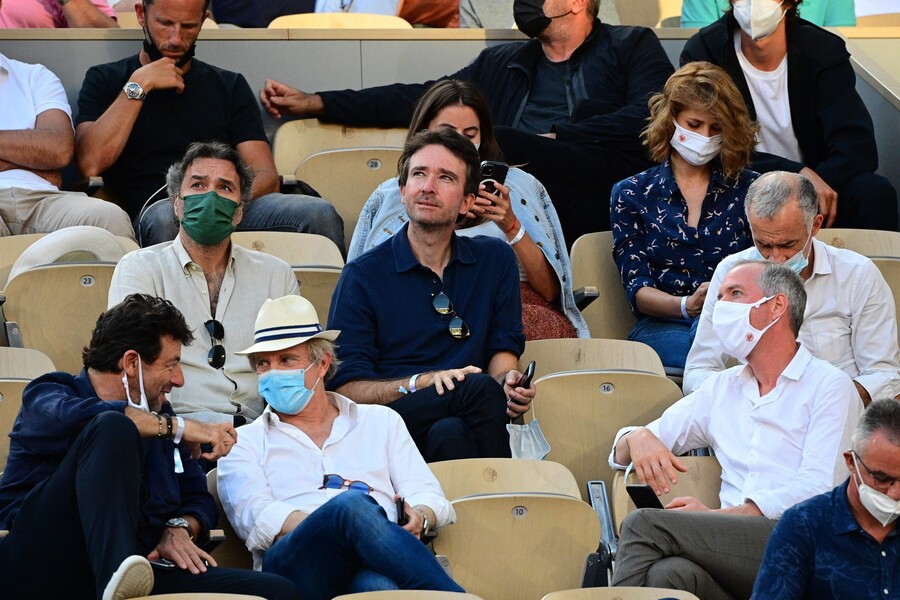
(778, 279)
(883, 416)
(769, 194)
(217, 150)
(318, 348)
(593, 8)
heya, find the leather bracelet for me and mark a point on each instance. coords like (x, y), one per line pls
(169, 433)
(511, 227)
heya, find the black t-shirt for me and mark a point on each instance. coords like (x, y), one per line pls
(547, 103)
(216, 105)
(258, 13)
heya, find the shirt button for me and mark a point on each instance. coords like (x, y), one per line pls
(886, 591)
(883, 553)
(203, 292)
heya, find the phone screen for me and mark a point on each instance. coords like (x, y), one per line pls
(643, 496)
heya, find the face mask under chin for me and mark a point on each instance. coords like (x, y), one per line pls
(153, 52)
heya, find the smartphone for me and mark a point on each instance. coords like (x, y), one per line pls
(493, 172)
(643, 495)
(402, 519)
(525, 380)
(163, 563)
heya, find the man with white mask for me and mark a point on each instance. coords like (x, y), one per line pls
(317, 482)
(850, 318)
(799, 85)
(844, 543)
(777, 426)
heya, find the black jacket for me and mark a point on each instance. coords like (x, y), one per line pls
(614, 72)
(833, 127)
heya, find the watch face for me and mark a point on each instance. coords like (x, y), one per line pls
(133, 90)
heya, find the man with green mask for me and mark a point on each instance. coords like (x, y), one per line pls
(219, 287)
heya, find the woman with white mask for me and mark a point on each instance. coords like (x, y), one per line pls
(672, 224)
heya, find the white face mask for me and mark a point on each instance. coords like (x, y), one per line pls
(144, 404)
(882, 507)
(758, 18)
(731, 323)
(696, 149)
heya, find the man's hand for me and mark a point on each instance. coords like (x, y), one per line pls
(176, 545)
(654, 464)
(444, 379)
(688, 504)
(160, 74)
(518, 399)
(694, 304)
(281, 99)
(221, 436)
(828, 198)
(415, 522)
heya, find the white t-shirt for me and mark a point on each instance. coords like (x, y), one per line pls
(769, 91)
(25, 92)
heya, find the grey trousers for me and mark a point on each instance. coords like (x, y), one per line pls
(712, 555)
(45, 211)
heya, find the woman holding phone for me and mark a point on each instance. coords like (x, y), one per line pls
(672, 224)
(520, 213)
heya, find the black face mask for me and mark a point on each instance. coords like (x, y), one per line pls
(153, 51)
(530, 17)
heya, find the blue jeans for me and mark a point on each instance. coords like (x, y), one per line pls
(272, 212)
(671, 338)
(348, 545)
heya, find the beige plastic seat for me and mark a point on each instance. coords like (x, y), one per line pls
(580, 413)
(339, 21)
(295, 140)
(890, 269)
(609, 316)
(408, 595)
(472, 476)
(703, 481)
(127, 19)
(513, 546)
(56, 307)
(347, 177)
(296, 249)
(650, 13)
(579, 354)
(317, 285)
(199, 596)
(620, 593)
(868, 242)
(24, 363)
(231, 552)
(879, 20)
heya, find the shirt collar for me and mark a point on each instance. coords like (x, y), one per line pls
(844, 521)
(4, 68)
(184, 259)
(821, 264)
(405, 260)
(794, 369)
(347, 409)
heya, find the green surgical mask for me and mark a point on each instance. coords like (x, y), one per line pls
(207, 217)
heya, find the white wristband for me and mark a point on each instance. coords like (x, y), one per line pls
(412, 383)
(684, 312)
(180, 433)
(518, 237)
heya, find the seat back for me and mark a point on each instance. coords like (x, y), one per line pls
(296, 249)
(703, 481)
(295, 140)
(579, 354)
(868, 242)
(339, 20)
(650, 13)
(580, 413)
(56, 307)
(11, 248)
(317, 286)
(408, 595)
(879, 20)
(512, 546)
(890, 270)
(620, 593)
(199, 596)
(347, 177)
(609, 316)
(232, 552)
(471, 476)
(10, 402)
(24, 363)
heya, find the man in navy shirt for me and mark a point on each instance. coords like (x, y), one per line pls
(96, 484)
(432, 322)
(844, 544)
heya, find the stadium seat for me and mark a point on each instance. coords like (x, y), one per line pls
(474, 476)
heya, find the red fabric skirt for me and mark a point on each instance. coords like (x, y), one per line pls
(542, 320)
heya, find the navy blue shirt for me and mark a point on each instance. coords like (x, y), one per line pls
(653, 245)
(389, 328)
(55, 408)
(818, 550)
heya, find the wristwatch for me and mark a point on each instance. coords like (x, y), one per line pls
(175, 522)
(134, 91)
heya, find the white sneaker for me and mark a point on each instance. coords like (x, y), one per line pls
(133, 579)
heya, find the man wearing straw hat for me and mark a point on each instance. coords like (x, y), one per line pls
(316, 483)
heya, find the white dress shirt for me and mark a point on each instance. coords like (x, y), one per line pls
(850, 321)
(275, 469)
(166, 270)
(776, 450)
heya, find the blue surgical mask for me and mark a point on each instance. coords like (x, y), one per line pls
(285, 390)
(796, 263)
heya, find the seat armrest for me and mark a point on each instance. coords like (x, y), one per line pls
(216, 537)
(288, 184)
(585, 295)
